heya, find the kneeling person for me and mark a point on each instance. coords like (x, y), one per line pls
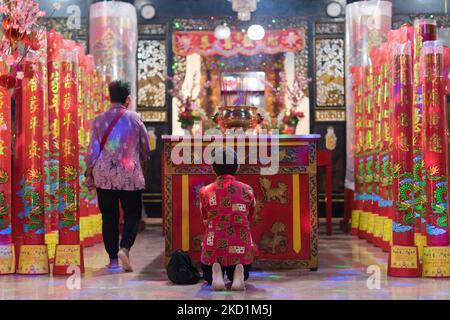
(227, 207)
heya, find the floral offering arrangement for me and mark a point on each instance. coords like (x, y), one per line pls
(290, 119)
(295, 92)
(189, 110)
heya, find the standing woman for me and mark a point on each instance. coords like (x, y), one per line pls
(119, 143)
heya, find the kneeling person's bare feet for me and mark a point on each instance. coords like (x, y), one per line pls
(124, 256)
(238, 279)
(217, 278)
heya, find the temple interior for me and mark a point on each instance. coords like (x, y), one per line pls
(336, 112)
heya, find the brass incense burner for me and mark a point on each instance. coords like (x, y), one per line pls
(237, 117)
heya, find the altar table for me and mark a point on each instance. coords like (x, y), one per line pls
(285, 219)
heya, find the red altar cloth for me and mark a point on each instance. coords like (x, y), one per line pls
(285, 219)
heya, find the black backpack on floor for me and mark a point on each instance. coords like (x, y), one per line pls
(180, 269)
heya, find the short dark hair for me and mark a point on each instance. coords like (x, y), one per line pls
(119, 91)
(228, 164)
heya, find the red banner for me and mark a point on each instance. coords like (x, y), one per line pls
(205, 43)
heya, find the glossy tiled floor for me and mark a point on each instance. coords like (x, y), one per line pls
(343, 261)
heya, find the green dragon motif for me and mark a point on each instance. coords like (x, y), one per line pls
(385, 170)
(403, 205)
(34, 202)
(369, 171)
(361, 172)
(406, 187)
(68, 214)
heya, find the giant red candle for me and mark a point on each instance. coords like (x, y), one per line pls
(435, 145)
(68, 148)
(403, 233)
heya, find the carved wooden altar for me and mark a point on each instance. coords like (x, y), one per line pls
(285, 224)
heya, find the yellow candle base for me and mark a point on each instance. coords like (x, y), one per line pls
(403, 261)
(436, 262)
(33, 259)
(67, 256)
(7, 259)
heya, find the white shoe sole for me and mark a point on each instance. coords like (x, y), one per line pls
(217, 283)
(125, 261)
(238, 279)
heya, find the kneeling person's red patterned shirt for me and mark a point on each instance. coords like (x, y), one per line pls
(227, 207)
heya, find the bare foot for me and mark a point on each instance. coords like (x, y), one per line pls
(124, 256)
(217, 278)
(238, 279)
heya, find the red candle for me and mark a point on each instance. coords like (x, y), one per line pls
(424, 30)
(435, 145)
(68, 148)
(403, 233)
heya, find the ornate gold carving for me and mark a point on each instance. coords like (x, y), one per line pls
(258, 208)
(153, 116)
(271, 194)
(330, 115)
(276, 242)
(313, 212)
(168, 213)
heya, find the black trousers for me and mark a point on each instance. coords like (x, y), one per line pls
(108, 201)
(207, 272)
